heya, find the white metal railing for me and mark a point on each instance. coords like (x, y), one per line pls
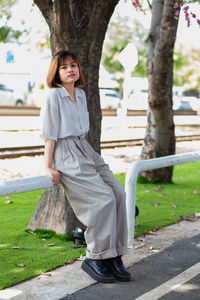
(26, 184)
(144, 165)
(14, 186)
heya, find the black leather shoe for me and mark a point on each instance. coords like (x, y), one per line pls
(98, 270)
(117, 268)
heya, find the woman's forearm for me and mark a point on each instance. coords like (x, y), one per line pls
(48, 153)
(48, 159)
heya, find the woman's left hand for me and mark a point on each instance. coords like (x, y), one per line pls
(54, 174)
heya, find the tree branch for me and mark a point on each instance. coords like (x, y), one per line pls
(150, 6)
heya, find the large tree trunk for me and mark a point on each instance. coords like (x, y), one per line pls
(78, 26)
(160, 139)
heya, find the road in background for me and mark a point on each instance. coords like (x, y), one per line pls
(24, 131)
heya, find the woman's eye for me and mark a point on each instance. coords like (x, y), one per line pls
(74, 65)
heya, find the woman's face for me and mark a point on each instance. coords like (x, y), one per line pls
(68, 72)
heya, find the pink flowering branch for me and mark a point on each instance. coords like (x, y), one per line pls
(178, 5)
(188, 14)
(137, 4)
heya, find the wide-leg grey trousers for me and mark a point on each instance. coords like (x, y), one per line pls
(95, 195)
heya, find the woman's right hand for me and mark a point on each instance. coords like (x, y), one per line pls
(54, 174)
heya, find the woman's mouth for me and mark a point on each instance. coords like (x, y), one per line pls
(71, 75)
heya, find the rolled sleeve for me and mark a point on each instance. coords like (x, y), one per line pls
(50, 120)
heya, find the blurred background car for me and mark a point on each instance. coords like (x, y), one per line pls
(179, 104)
(191, 93)
(185, 99)
(109, 99)
(10, 97)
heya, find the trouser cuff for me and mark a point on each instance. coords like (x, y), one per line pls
(108, 253)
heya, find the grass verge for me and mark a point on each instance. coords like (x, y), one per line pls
(24, 255)
(162, 204)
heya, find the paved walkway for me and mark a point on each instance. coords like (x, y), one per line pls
(66, 282)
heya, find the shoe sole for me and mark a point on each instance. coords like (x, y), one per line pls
(117, 276)
(120, 278)
(95, 276)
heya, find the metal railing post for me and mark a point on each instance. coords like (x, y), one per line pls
(144, 165)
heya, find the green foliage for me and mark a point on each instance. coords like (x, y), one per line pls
(119, 42)
(46, 43)
(109, 62)
(181, 80)
(198, 82)
(179, 77)
(4, 32)
(42, 87)
(141, 68)
(5, 6)
(180, 61)
(7, 33)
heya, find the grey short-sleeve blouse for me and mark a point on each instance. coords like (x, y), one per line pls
(62, 116)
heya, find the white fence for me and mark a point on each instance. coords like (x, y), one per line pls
(14, 186)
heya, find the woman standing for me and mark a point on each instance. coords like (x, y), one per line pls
(96, 197)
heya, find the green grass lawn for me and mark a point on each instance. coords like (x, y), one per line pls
(160, 205)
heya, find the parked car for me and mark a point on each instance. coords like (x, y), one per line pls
(185, 99)
(10, 97)
(192, 93)
(109, 99)
(179, 104)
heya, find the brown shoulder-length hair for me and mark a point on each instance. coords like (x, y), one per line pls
(53, 79)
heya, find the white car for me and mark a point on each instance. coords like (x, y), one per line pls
(109, 99)
(9, 97)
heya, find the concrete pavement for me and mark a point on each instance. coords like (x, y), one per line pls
(173, 273)
(70, 282)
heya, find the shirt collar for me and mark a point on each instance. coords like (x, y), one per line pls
(64, 92)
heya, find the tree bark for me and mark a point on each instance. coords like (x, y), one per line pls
(78, 26)
(54, 212)
(160, 138)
